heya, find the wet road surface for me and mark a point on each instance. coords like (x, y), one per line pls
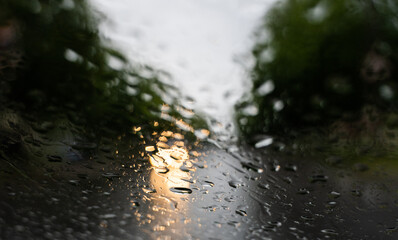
(182, 190)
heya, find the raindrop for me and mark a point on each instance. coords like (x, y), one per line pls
(111, 175)
(318, 178)
(334, 194)
(157, 161)
(241, 212)
(54, 158)
(251, 166)
(163, 139)
(263, 186)
(199, 165)
(150, 148)
(162, 145)
(176, 155)
(386, 92)
(250, 110)
(303, 191)
(149, 190)
(278, 105)
(235, 183)
(74, 182)
(329, 232)
(108, 216)
(266, 88)
(181, 190)
(287, 180)
(234, 223)
(162, 170)
(229, 199)
(291, 167)
(264, 143)
(207, 184)
(307, 218)
(356, 192)
(275, 223)
(72, 56)
(202, 133)
(184, 168)
(178, 136)
(331, 204)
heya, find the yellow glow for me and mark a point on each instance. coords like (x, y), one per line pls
(162, 145)
(167, 178)
(184, 126)
(205, 132)
(163, 139)
(167, 133)
(149, 148)
(136, 129)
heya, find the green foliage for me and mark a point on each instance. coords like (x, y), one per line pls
(319, 60)
(68, 64)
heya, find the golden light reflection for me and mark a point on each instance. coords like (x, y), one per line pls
(171, 163)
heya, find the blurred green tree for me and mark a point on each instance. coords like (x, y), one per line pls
(321, 61)
(67, 64)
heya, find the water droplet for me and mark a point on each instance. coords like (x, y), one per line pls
(178, 136)
(235, 183)
(149, 190)
(307, 218)
(163, 139)
(334, 194)
(229, 199)
(74, 182)
(356, 192)
(329, 232)
(207, 184)
(167, 133)
(202, 133)
(287, 180)
(176, 155)
(331, 204)
(241, 212)
(263, 186)
(157, 161)
(251, 166)
(150, 148)
(234, 223)
(111, 175)
(264, 143)
(108, 216)
(181, 190)
(303, 191)
(318, 178)
(179, 143)
(54, 158)
(162, 145)
(266, 88)
(291, 167)
(250, 110)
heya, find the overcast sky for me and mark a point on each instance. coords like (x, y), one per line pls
(199, 42)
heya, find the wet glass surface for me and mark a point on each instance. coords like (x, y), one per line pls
(178, 168)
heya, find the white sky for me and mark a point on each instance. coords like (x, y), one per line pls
(196, 41)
